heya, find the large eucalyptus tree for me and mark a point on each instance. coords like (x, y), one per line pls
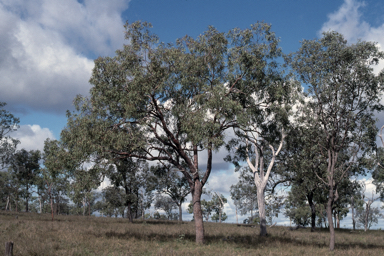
(345, 94)
(168, 102)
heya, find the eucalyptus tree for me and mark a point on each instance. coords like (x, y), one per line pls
(377, 164)
(54, 177)
(260, 137)
(219, 217)
(7, 191)
(266, 105)
(137, 181)
(244, 192)
(8, 124)
(219, 201)
(81, 189)
(369, 216)
(113, 201)
(172, 183)
(166, 204)
(296, 207)
(299, 164)
(168, 102)
(26, 167)
(207, 207)
(344, 95)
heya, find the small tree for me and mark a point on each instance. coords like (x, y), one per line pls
(219, 202)
(166, 204)
(172, 182)
(8, 123)
(219, 218)
(244, 193)
(26, 167)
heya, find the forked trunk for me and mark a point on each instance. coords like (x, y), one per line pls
(197, 212)
(261, 203)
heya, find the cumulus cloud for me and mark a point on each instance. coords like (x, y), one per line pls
(47, 47)
(348, 20)
(32, 137)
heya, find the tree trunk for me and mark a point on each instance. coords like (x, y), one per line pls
(313, 212)
(84, 206)
(199, 226)
(338, 220)
(237, 218)
(40, 204)
(180, 212)
(58, 204)
(353, 213)
(367, 206)
(334, 218)
(6, 206)
(52, 209)
(330, 221)
(129, 212)
(26, 204)
(261, 204)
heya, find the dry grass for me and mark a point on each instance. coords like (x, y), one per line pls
(35, 234)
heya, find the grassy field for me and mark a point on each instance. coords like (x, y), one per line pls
(35, 234)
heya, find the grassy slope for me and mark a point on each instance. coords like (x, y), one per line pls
(35, 234)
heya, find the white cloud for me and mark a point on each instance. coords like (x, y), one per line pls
(32, 137)
(47, 48)
(348, 21)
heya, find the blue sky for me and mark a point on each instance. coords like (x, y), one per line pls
(48, 46)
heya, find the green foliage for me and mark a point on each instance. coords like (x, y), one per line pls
(344, 95)
(166, 102)
(378, 171)
(25, 167)
(214, 205)
(244, 193)
(296, 208)
(374, 214)
(215, 217)
(8, 123)
(172, 183)
(166, 204)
